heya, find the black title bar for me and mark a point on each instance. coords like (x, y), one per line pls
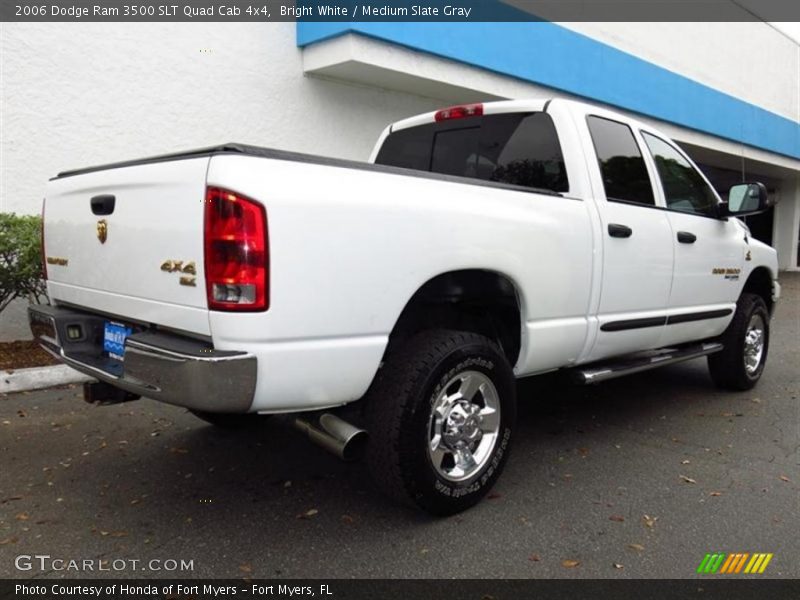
(422, 11)
(704, 588)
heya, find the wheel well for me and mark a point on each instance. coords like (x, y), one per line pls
(760, 283)
(480, 301)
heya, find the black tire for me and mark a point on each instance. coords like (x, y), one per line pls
(230, 420)
(727, 367)
(398, 410)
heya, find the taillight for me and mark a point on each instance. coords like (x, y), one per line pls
(44, 256)
(459, 112)
(236, 252)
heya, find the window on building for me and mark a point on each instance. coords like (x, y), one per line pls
(684, 187)
(621, 163)
(515, 148)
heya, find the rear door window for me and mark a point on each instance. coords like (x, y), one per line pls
(621, 163)
(515, 148)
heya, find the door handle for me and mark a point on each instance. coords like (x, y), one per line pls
(619, 231)
(103, 204)
(684, 237)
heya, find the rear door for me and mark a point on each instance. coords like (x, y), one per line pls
(129, 241)
(636, 242)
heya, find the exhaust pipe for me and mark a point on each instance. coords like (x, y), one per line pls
(335, 435)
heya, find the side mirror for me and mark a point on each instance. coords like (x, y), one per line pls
(746, 199)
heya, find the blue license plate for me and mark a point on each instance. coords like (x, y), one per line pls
(114, 339)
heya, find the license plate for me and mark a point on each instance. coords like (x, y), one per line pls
(114, 339)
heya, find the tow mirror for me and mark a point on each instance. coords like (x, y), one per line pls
(746, 199)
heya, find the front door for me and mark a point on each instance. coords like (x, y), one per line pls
(709, 252)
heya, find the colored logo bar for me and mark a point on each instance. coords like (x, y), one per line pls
(741, 562)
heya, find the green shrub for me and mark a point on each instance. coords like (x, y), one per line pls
(21, 259)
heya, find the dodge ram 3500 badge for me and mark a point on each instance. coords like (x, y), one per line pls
(387, 307)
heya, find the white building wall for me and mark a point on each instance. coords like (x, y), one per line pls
(752, 61)
(77, 94)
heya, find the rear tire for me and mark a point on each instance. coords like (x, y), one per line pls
(740, 364)
(440, 415)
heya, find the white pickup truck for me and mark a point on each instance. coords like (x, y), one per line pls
(481, 243)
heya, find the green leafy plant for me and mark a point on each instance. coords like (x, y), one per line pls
(21, 259)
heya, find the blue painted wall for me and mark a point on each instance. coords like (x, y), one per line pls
(550, 55)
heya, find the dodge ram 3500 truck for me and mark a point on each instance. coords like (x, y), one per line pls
(481, 243)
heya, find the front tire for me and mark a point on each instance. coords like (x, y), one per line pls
(440, 415)
(739, 365)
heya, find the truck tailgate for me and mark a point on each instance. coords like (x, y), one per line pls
(129, 241)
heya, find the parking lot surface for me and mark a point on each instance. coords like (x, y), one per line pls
(637, 477)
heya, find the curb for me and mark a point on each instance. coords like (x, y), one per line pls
(37, 378)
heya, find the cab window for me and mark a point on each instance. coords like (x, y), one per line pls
(684, 188)
(515, 148)
(621, 163)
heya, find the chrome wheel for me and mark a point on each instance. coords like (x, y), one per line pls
(754, 344)
(463, 426)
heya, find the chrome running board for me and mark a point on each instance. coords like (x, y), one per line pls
(597, 372)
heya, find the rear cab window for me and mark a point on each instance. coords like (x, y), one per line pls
(519, 149)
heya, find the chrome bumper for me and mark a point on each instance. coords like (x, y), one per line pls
(169, 368)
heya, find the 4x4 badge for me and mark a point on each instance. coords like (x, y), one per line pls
(102, 231)
(172, 266)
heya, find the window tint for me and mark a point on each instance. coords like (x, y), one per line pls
(684, 187)
(516, 148)
(524, 150)
(621, 163)
(407, 148)
(455, 152)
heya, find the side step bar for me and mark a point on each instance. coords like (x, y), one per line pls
(603, 371)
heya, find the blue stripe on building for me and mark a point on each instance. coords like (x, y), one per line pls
(550, 55)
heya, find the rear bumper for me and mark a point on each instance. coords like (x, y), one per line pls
(169, 368)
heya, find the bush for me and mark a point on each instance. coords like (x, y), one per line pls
(21, 259)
